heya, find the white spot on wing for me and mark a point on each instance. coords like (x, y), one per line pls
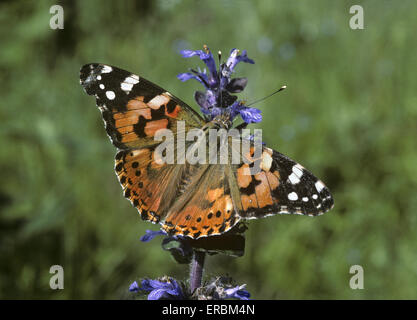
(298, 170)
(110, 95)
(106, 69)
(101, 86)
(297, 173)
(158, 101)
(266, 161)
(126, 87)
(319, 185)
(315, 196)
(305, 199)
(129, 82)
(293, 178)
(98, 77)
(292, 196)
(132, 79)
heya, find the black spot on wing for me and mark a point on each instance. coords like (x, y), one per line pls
(144, 214)
(250, 189)
(222, 228)
(139, 127)
(119, 167)
(120, 155)
(156, 114)
(171, 106)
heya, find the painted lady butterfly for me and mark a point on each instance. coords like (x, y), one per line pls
(191, 200)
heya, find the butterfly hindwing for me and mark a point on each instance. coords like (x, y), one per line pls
(134, 108)
(147, 183)
(205, 208)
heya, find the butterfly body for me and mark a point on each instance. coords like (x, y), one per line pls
(199, 199)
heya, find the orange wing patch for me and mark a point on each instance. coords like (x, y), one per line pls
(205, 209)
(256, 191)
(196, 221)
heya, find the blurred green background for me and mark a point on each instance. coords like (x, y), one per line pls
(349, 114)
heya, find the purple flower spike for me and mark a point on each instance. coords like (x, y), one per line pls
(237, 293)
(168, 288)
(187, 76)
(134, 287)
(217, 100)
(208, 59)
(150, 234)
(249, 115)
(191, 53)
(235, 58)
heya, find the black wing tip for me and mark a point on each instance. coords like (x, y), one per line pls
(89, 66)
(88, 74)
(86, 70)
(327, 201)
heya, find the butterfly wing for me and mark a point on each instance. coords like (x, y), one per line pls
(147, 184)
(134, 108)
(280, 186)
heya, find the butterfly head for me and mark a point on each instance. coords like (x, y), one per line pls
(217, 99)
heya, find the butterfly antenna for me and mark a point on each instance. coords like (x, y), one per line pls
(280, 89)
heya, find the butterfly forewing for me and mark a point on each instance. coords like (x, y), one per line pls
(134, 108)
